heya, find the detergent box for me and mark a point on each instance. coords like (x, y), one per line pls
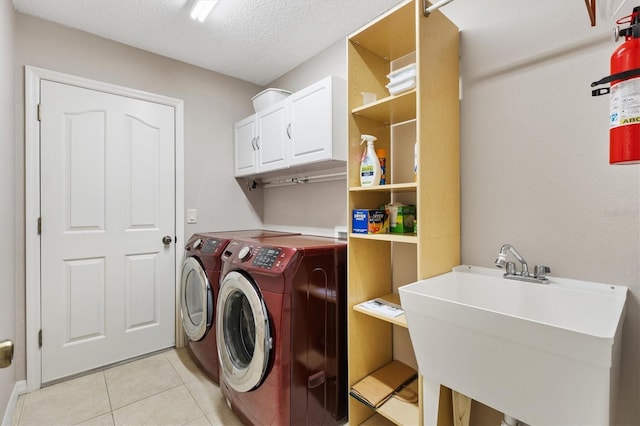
(402, 219)
(367, 221)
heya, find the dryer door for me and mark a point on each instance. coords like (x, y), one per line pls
(196, 300)
(242, 332)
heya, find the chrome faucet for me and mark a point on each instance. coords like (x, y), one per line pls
(539, 271)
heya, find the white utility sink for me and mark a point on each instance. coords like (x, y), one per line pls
(546, 354)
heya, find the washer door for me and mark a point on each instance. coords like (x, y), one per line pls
(242, 332)
(196, 300)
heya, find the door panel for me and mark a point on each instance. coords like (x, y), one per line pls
(84, 291)
(311, 112)
(107, 199)
(86, 169)
(272, 142)
(244, 147)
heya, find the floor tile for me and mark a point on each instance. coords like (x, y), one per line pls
(67, 403)
(172, 407)
(207, 394)
(223, 417)
(202, 421)
(140, 379)
(103, 420)
(184, 365)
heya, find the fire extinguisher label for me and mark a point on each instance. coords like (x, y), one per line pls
(625, 103)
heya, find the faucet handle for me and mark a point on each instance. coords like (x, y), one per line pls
(540, 271)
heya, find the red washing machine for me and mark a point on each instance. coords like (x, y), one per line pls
(199, 288)
(281, 330)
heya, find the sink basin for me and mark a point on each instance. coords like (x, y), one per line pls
(542, 353)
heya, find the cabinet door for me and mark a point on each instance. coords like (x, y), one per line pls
(244, 149)
(311, 123)
(272, 141)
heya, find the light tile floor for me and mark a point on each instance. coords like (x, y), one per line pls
(163, 389)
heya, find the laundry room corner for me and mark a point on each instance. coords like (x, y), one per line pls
(323, 204)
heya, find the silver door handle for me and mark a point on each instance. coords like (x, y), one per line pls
(166, 240)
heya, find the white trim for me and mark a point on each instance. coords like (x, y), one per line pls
(33, 77)
(18, 389)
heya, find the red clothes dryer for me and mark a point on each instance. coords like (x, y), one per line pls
(198, 291)
(281, 330)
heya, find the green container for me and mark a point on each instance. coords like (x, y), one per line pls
(404, 219)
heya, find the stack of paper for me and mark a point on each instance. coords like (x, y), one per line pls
(379, 386)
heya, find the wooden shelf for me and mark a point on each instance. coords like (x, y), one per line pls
(400, 320)
(401, 412)
(392, 35)
(394, 238)
(377, 420)
(390, 110)
(427, 116)
(396, 411)
(395, 187)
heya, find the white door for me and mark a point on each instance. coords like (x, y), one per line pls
(107, 201)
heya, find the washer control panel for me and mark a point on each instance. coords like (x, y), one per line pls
(254, 256)
(266, 257)
(209, 246)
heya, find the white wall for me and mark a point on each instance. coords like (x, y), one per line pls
(534, 144)
(534, 154)
(212, 103)
(7, 196)
(315, 208)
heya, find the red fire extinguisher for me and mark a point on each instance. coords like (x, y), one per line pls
(624, 131)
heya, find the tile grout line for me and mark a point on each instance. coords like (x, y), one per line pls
(106, 385)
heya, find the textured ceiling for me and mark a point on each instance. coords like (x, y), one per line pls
(260, 40)
(253, 40)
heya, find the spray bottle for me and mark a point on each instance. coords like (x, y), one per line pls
(369, 164)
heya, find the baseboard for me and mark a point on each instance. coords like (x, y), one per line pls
(18, 389)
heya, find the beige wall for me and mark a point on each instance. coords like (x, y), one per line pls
(7, 196)
(534, 158)
(212, 103)
(534, 151)
(535, 169)
(315, 208)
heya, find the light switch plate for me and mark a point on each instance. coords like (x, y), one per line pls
(192, 216)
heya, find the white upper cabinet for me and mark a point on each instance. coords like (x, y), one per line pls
(306, 130)
(318, 122)
(245, 151)
(272, 141)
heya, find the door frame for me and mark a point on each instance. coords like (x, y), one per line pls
(33, 77)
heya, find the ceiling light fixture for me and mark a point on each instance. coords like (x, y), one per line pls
(202, 8)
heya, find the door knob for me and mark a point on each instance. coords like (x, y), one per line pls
(6, 353)
(166, 240)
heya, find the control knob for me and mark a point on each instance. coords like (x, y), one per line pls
(244, 253)
(197, 243)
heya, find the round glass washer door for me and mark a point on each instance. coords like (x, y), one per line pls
(242, 332)
(196, 300)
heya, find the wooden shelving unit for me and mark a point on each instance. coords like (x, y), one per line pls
(429, 116)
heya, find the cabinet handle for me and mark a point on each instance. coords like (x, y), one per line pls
(257, 144)
(253, 143)
(316, 379)
(289, 130)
